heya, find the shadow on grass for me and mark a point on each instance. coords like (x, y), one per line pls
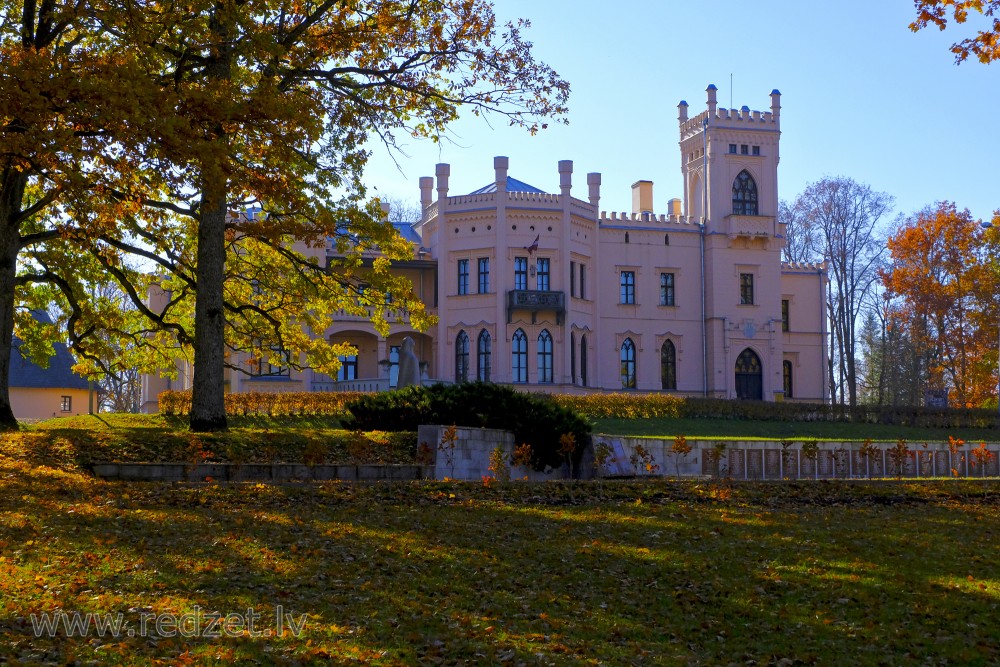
(410, 573)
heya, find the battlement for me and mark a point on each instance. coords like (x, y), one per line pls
(742, 118)
(811, 267)
(540, 197)
(652, 219)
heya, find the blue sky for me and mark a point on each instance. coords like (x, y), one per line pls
(862, 97)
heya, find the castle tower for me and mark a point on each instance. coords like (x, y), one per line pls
(729, 160)
(726, 143)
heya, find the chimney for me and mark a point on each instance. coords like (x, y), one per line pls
(674, 206)
(642, 197)
(426, 189)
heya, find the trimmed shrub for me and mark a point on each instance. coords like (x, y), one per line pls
(266, 403)
(535, 419)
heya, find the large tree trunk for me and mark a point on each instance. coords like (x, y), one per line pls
(208, 396)
(11, 195)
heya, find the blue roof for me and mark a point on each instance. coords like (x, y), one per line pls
(59, 374)
(407, 231)
(513, 185)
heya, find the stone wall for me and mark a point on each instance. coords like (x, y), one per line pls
(469, 458)
(773, 460)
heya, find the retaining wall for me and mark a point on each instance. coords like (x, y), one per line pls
(771, 460)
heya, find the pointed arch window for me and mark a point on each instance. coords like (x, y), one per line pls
(484, 356)
(519, 357)
(744, 194)
(628, 364)
(572, 356)
(462, 357)
(583, 360)
(786, 372)
(545, 356)
(749, 376)
(668, 366)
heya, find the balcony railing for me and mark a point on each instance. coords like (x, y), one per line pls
(753, 226)
(365, 385)
(535, 301)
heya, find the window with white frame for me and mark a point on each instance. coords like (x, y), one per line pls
(667, 289)
(519, 357)
(627, 284)
(545, 356)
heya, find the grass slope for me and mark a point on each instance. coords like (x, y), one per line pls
(74, 442)
(399, 574)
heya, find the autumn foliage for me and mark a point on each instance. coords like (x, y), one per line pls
(984, 45)
(942, 287)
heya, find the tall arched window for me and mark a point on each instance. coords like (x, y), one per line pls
(519, 357)
(668, 366)
(628, 364)
(462, 357)
(484, 356)
(545, 356)
(744, 194)
(786, 372)
(583, 360)
(572, 356)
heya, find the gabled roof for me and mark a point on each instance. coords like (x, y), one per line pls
(59, 374)
(513, 185)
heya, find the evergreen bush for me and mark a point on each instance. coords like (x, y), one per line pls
(534, 419)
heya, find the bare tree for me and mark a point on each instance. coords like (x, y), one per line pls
(801, 239)
(844, 219)
(400, 209)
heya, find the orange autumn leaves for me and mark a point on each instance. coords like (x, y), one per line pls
(942, 290)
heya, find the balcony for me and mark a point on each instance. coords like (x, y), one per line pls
(751, 226)
(535, 301)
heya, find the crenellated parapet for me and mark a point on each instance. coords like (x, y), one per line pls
(653, 220)
(809, 267)
(735, 119)
(534, 197)
(481, 198)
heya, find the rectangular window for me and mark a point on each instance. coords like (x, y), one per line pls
(484, 275)
(273, 362)
(744, 149)
(520, 273)
(756, 150)
(784, 315)
(746, 289)
(628, 287)
(542, 273)
(348, 368)
(732, 148)
(463, 276)
(572, 278)
(66, 403)
(393, 365)
(583, 281)
(666, 289)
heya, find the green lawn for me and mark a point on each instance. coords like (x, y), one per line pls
(668, 573)
(72, 442)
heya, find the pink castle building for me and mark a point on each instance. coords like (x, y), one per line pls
(548, 291)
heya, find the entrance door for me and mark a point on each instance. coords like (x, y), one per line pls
(749, 377)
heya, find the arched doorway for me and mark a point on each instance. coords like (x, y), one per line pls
(749, 376)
